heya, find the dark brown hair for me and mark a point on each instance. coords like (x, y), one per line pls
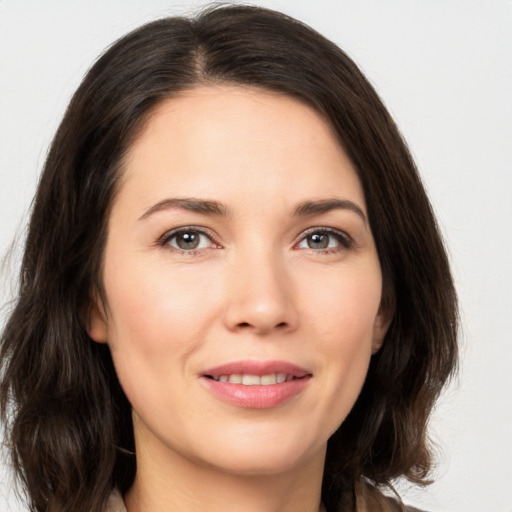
(68, 421)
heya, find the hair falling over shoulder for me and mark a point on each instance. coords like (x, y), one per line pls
(67, 421)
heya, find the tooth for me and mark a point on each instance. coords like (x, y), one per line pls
(251, 380)
(280, 377)
(268, 379)
(289, 377)
(235, 378)
(223, 378)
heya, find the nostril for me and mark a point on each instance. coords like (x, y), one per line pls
(280, 325)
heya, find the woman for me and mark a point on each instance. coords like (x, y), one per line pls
(233, 294)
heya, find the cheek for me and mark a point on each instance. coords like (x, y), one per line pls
(343, 305)
(342, 314)
(150, 333)
(160, 317)
(149, 328)
(152, 308)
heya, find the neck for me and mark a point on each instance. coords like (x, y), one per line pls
(183, 485)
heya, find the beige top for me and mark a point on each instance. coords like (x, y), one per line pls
(115, 503)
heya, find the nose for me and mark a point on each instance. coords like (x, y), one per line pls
(260, 296)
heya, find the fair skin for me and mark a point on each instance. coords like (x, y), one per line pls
(273, 272)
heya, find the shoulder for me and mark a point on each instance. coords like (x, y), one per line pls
(395, 506)
(115, 503)
(369, 498)
(413, 509)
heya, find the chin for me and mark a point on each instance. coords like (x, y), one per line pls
(260, 456)
(260, 464)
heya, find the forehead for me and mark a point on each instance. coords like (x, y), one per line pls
(231, 141)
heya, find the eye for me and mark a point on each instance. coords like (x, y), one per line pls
(187, 240)
(324, 240)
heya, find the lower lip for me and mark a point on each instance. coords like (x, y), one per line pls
(257, 397)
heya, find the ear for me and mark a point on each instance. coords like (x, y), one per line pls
(381, 326)
(96, 321)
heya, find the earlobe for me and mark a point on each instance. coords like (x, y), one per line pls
(97, 321)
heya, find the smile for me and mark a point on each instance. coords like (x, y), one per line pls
(256, 385)
(255, 380)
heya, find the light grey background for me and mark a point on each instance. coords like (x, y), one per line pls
(444, 69)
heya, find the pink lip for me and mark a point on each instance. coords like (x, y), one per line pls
(258, 396)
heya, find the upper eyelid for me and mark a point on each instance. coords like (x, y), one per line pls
(324, 229)
(314, 229)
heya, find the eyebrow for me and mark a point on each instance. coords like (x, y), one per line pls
(215, 208)
(192, 205)
(308, 208)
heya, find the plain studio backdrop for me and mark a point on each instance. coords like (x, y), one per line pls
(444, 70)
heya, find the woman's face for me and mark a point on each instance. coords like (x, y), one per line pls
(239, 256)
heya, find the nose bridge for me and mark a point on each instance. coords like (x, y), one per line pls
(260, 290)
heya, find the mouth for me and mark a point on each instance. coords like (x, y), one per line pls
(256, 373)
(256, 385)
(246, 379)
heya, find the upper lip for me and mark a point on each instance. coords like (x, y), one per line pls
(256, 368)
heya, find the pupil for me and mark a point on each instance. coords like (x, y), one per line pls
(318, 241)
(188, 240)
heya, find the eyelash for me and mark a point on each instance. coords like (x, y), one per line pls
(345, 242)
